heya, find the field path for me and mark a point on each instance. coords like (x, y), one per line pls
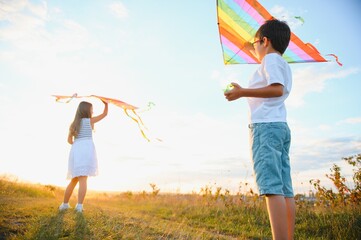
(139, 223)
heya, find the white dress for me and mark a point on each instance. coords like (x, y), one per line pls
(82, 158)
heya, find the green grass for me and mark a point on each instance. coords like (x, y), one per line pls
(30, 212)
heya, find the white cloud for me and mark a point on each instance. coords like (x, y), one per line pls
(26, 32)
(325, 127)
(35, 40)
(314, 153)
(40, 10)
(10, 6)
(119, 10)
(283, 14)
(355, 120)
(313, 79)
(19, 25)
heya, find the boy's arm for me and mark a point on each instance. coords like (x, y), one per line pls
(270, 91)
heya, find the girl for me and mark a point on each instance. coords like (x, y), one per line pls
(82, 158)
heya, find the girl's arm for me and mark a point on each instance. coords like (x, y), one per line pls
(70, 138)
(101, 116)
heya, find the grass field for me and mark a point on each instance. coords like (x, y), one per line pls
(30, 212)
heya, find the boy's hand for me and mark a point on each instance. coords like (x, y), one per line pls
(248, 46)
(228, 88)
(234, 93)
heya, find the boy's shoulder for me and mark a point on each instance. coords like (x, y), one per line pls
(274, 59)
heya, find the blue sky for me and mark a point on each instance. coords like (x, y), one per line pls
(167, 52)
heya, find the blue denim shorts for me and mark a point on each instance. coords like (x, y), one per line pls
(270, 144)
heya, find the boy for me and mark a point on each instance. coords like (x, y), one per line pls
(269, 133)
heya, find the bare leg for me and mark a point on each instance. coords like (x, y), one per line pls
(82, 188)
(69, 189)
(277, 212)
(291, 215)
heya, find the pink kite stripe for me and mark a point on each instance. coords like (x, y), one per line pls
(298, 51)
(251, 11)
(235, 49)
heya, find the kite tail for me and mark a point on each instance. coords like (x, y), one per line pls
(333, 55)
(149, 106)
(139, 121)
(59, 98)
(336, 58)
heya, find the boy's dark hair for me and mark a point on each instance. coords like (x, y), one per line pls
(278, 32)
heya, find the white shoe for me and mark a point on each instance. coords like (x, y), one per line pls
(79, 208)
(64, 206)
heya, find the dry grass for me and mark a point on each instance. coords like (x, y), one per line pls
(30, 212)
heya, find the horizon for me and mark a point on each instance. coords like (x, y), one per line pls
(213, 188)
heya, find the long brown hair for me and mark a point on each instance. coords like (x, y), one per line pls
(83, 111)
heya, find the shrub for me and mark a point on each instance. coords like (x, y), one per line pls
(344, 194)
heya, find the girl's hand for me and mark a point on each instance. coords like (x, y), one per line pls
(105, 103)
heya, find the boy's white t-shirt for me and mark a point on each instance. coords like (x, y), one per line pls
(273, 69)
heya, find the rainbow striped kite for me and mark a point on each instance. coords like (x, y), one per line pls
(238, 22)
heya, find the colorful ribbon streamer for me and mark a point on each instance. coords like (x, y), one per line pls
(128, 109)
